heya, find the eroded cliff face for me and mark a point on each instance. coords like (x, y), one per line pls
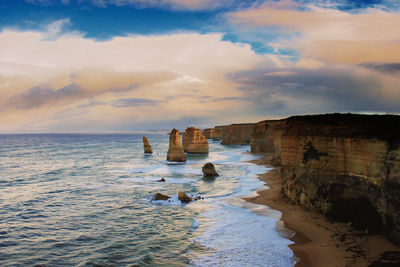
(345, 166)
(266, 137)
(208, 133)
(237, 134)
(217, 133)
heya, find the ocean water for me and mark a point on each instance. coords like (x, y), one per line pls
(85, 200)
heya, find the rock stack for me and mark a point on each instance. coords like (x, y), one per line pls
(146, 145)
(194, 141)
(209, 170)
(175, 150)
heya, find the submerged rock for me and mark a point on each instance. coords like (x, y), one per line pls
(183, 197)
(160, 196)
(209, 169)
(146, 145)
(175, 150)
(194, 141)
(198, 198)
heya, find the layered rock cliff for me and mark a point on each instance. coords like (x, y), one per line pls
(237, 134)
(175, 150)
(209, 133)
(217, 133)
(194, 141)
(343, 165)
(234, 134)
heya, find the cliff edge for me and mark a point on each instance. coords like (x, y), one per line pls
(345, 166)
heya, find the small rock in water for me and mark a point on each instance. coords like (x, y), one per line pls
(183, 197)
(209, 169)
(198, 198)
(160, 196)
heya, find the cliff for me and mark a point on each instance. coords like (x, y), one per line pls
(343, 165)
(194, 141)
(237, 134)
(234, 134)
(217, 133)
(209, 133)
(266, 137)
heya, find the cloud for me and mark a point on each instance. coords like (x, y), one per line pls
(326, 89)
(327, 34)
(391, 68)
(133, 102)
(91, 103)
(191, 54)
(281, 73)
(54, 29)
(173, 4)
(37, 96)
(82, 83)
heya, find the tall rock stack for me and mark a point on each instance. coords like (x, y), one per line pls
(194, 141)
(175, 150)
(146, 145)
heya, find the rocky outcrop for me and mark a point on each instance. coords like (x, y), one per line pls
(183, 197)
(217, 133)
(160, 196)
(209, 170)
(175, 150)
(146, 145)
(194, 141)
(267, 137)
(209, 133)
(234, 134)
(343, 165)
(387, 259)
(237, 134)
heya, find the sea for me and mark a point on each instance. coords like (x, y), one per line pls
(86, 200)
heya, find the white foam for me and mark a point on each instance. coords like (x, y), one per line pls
(240, 237)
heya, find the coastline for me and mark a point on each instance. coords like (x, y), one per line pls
(318, 241)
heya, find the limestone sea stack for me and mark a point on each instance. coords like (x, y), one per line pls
(175, 150)
(209, 169)
(194, 141)
(146, 145)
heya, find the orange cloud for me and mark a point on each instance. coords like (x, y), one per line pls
(72, 82)
(331, 35)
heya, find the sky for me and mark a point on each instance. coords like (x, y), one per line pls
(132, 65)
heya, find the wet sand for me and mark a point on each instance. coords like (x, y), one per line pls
(319, 242)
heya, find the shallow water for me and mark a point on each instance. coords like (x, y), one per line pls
(84, 200)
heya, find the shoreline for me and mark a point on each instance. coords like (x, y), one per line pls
(318, 241)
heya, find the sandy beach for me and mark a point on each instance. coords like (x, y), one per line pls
(319, 242)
